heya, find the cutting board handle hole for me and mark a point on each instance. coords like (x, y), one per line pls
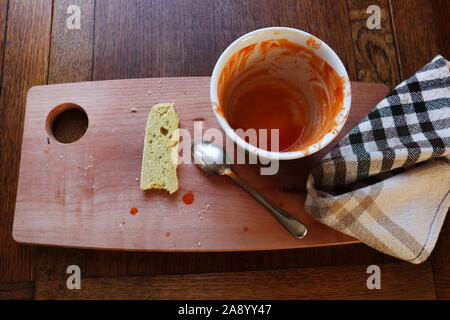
(67, 123)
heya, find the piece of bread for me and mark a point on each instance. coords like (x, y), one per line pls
(160, 157)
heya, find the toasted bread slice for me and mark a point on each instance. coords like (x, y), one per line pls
(160, 157)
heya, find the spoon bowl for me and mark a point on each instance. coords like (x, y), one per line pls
(210, 158)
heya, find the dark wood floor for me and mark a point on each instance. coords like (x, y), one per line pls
(151, 38)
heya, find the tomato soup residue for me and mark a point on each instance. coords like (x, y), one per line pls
(189, 198)
(278, 84)
(313, 43)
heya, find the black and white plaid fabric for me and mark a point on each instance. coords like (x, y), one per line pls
(407, 132)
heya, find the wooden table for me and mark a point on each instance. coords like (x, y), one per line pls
(168, 38)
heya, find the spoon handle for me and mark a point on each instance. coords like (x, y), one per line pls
(294, 226)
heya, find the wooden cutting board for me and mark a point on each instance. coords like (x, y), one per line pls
(80, 194)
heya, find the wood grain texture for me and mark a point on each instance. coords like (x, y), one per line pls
(117, 263)
(17, 290)
(441, 273)
(376, 58)
(3, 15)
(415, 34)
(399, 281)
(80, 194)
(441, 14)
(25, 65)
(70, 61)
(173, 43)
(71, 49)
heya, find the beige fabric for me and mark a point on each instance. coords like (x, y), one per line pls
(400, 216)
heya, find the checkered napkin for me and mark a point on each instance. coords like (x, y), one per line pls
(387, 182)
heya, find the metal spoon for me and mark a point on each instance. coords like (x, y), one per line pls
(213, 159)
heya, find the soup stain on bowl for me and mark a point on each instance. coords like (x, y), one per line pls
(279, 84)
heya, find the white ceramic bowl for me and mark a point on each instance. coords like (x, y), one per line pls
(298, 37)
